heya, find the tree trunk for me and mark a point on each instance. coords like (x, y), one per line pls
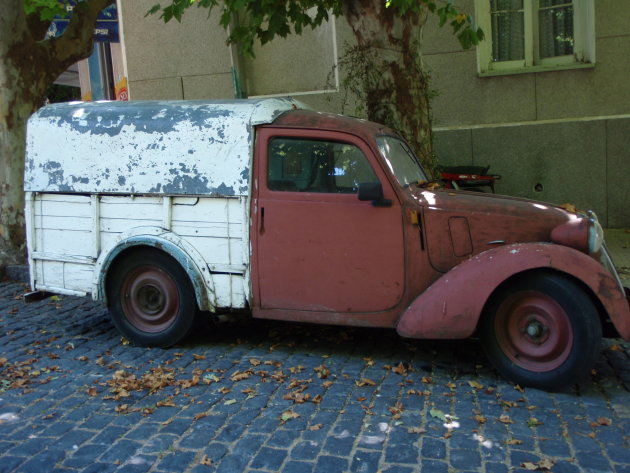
(28, 65)
(386, 69)
(15, 107)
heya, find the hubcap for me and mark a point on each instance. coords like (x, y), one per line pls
(150, 299)
(534, 331)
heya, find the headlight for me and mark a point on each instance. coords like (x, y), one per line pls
(595, 234)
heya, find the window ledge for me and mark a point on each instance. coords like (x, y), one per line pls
(534, 69)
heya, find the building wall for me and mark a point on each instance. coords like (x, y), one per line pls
(557, 136)
(186, 60)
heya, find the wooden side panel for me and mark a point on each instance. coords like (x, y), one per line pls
(62, 246)
(214, 226)
(70, 230)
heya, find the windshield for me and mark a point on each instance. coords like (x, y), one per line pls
(401, 160)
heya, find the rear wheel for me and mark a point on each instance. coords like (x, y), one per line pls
(542, 331)
(151, 299)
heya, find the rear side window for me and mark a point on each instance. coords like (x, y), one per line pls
(301, 165)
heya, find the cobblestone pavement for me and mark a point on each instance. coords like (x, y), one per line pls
(275, 397)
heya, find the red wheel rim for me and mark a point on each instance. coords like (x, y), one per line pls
(150, 299)
(534, 331)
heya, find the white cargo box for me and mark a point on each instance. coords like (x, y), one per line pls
(101, 177)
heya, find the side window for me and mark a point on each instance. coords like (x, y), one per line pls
(299, 165)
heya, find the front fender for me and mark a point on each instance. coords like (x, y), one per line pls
(451, 306)
(172, 244)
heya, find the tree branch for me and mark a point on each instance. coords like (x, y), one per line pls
(77, 40)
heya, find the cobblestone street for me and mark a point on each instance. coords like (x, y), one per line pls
(276, 397)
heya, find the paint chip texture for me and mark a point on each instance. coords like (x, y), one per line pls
(179, 148)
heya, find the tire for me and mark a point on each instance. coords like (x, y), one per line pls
(542, 331)
(151, 299)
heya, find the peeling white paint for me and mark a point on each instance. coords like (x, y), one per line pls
(175, 173)
(175, 148)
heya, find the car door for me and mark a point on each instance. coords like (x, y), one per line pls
(317, 246)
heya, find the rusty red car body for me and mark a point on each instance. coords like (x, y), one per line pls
(426, 264)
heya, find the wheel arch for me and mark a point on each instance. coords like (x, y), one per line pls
(167, 242)
(452, 306)
(608, 328)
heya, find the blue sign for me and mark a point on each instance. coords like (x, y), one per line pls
(105, 31)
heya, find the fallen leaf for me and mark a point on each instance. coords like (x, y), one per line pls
(206, 461)
(505, 419)
(417, 430)
(401, 369)
(365, 382)
(240, 376)
(601, 421)
(198, 357)
(229, 402)
(168, 402)
(568, 207)
(287, 415)
(481, 419)
(475, 384)
(438, 414)
(542, 465)
(322, 371)
(533, 422)
(513, 442)
(211, 378)
(254, 362)
(199, 416)
(315, 427)
(397, 410)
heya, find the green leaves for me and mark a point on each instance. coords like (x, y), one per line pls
(264, 20)
(45, 9)
(463, 25)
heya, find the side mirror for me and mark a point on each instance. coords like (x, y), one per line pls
(373, 191)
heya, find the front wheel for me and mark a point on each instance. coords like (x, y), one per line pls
(541, 331)
(151, 299)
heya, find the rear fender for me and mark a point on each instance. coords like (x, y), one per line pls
(451, 306)
(170, 243)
